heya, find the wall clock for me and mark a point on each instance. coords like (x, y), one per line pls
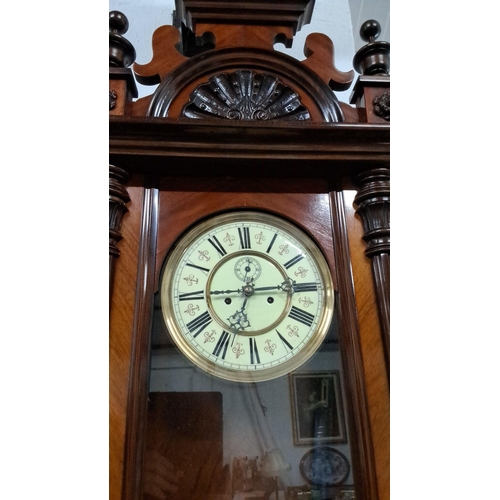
(247, 296)
(192, 378)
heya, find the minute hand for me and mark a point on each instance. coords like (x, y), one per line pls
(262, 288)
(286, 286)
(290, 287)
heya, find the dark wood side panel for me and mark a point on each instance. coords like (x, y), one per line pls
(372, 347)
(139, 356)
(352, 360)
(120, 337)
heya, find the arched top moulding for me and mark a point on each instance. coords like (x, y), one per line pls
(217, 62)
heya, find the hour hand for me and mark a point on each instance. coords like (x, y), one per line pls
(239, 320)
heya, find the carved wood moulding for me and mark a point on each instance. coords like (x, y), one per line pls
(294, 13)
(245, 95)
(382, 105)
(373, 206)
(236, 42)
(331, 151)
(315, 95)
(118, 199)
(112, 99)
(373, 202)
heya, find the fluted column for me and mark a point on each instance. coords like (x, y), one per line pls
(118, 199)
(373, 206)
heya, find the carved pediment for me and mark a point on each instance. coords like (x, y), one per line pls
(245, 95)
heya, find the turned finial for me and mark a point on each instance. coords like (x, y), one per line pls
(370, 30)
(121, 51)
(374, 57)
(118, 22)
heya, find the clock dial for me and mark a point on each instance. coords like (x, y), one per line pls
(247, 296)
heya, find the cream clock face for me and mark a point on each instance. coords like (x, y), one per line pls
(247, 296)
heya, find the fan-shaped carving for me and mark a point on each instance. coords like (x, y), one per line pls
(245, 95)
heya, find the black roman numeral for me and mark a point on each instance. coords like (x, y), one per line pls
(216, 244)
(301, 316)
(254, 352)
(305, 287)
(221, 347)
(192, 295)
(272, 243)
(197, 325)
(284, 340)
(204, 269)
(293, 261)
(244, 237)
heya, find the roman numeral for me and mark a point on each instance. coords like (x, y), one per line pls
(301, 316)
(197, 325)
(284, 340)
(192, 295)
(254, 352)
(204, 269)
(221, 347)
(244, 237)
(216, 244)
(293, 261)
(272, 243)
(305, 287)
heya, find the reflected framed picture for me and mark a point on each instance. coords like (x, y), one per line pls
(324, 466)
(317, 409)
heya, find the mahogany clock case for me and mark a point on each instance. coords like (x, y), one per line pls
(170, 172)
(170, 208)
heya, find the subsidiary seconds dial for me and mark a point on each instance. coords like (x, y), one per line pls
(246, 296)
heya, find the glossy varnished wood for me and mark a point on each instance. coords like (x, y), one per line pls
(183, 169)
(372, 347)
(139, 357)
(120, 337)
(350, 346)
(167, 215)
(336, 150)
(176, 87)
(372, 204)
(118, 199)
(309, 204)
(194, 199)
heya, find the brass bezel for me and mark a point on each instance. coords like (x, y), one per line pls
(176, 256)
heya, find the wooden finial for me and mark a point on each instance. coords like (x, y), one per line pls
(374, 57)
(370, 30)
(121, 51)
(118, 22)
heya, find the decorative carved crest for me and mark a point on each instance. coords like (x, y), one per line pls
(382, 105)
(245, 95)
(112, 99)
(118, 199)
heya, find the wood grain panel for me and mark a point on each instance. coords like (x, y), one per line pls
(120, 337)
(377, 387)
(180, 209)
